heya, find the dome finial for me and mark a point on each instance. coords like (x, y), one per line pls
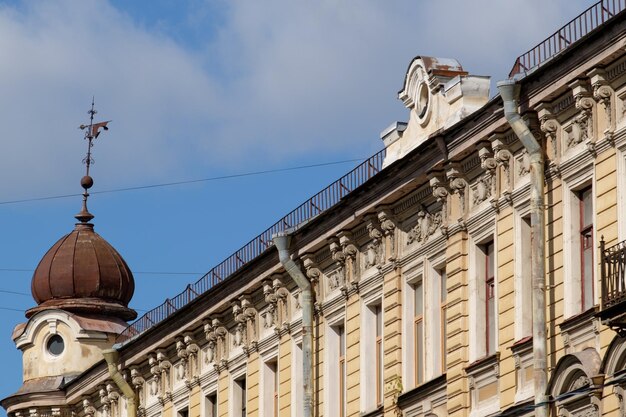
(92, 132)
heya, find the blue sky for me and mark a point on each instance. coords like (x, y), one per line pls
(207, 88)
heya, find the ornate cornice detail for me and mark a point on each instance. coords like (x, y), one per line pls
(138, 382)
(277, 296)
(486, 186)
(427, 224)
(503, 158)
(351, 267)
(374, 251)
(603, 93)
(388, 227)
(245, 314)
(217, 349)
(441, 193)
(458, 185)
(584, 119)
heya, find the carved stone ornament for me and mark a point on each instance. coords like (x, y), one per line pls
(88, 408)
(458, 185)
(388, 226)
(338, 276)
(138, 383)
(581, 381)
(351, 267)
(209, 333)
(373, 254)
(440, 192)
(584, 121)
(503, 157)
(427, 224)
(277, 314)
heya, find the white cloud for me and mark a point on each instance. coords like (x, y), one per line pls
(276, 79)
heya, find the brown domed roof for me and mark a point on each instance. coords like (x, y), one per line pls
(83, 273)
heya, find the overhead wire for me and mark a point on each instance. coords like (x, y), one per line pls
(182, 182)
(134, 272)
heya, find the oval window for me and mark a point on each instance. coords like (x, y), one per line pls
(422, 99)
(55, 345)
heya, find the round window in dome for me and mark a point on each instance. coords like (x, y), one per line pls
(55, 345)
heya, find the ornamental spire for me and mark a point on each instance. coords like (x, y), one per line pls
(92, 131)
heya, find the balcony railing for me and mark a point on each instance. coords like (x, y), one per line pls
(582, 25)
(613, 270)
(315, 205)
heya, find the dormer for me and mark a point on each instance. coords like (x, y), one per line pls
(438, 93)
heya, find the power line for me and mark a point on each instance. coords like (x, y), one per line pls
(170, 184)
(134, 272)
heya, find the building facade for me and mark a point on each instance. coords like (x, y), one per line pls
(420, 267)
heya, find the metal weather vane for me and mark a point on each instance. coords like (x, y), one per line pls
(92, 131)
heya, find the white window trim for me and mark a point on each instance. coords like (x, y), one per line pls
(297, 383)
(266, 402)
(232, 401)
(476, 287)
(523, 302)
(413, 275)
(572, 305)
(368, 353)
(331, 359)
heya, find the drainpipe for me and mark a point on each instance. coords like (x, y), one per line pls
(112, 358)
(509, 91)
(282, 241)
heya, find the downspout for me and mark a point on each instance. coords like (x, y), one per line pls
(282, 241)
(112, 358)
(509, 91)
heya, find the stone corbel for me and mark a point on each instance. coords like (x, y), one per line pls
(193, 364)
(114, 398)
(441, 193)
(239, 338)
(270, 318)
(458, 186)
(183, 355)
(603, 93)
(209, 333)
(249, 313)
(138, 383)
(486, 188)
(338, 277)
(88, 408)
(165, 366)
(388, 227)
(503, 157)
(549, 126)
(155, 371)
(373, 255)
(221, 335)
(105, 401)
(312, 272)
(282, 303)
(351, 267)
(584, 120)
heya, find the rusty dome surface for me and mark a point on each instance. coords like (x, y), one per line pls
(83, 273)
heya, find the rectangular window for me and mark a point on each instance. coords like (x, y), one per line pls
(490, 318)
(378, 311)
(418, 332)
(270, 389)
(183, 412)
(341, 333)
(586, 248)
(210, 405)
(443, 297)
(524, 320)
(239, 397)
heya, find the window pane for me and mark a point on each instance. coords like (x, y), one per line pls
(491, 326)
(443, 289)
(587, 278)
(419, 299)
(419, 349)
(586, 207)
(489, 260)
(379, 320)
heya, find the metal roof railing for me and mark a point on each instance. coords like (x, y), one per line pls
(315, 205)
(579, 27)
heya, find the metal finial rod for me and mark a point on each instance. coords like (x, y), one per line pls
(93, 131)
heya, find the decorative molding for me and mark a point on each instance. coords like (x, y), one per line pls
(441, 193)
(603, 93)
(584, 120)
(458, 186)
(427, 224)
(504, 158)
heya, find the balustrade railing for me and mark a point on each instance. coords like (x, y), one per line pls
(613, 274)
(315, 205)
(583, 24)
